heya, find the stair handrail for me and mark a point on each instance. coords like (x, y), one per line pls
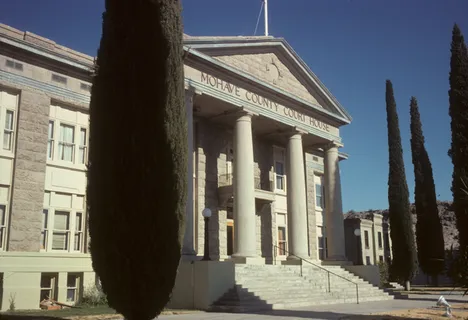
(321, 268)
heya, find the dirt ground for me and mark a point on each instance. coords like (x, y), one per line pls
(459, 311)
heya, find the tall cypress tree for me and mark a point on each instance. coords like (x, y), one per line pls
(458, 99)
(429, 234)
(138, 155)
(404, 264)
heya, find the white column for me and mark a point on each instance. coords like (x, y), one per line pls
(333, 205)
(188, 245)
(245, 243)
(296, 199)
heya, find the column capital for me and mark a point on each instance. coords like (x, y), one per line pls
(246, 112)
(298, 130)
(332, 144)
(192, 90)
(191, 93)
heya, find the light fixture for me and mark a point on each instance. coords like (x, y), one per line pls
(443, 303)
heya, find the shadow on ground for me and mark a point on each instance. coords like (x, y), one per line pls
(27, 317)
(328, 315)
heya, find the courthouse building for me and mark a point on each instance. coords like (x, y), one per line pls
(264, 135)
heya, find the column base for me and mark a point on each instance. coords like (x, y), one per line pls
(189, 257)
(248, 260)
(336, 261)
(295, 262)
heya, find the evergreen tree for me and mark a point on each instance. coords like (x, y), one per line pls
(404, 265)
(458, 99)
(429, 234)
(138, 155)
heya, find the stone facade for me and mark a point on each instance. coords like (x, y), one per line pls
(270, 68)
(29, 172)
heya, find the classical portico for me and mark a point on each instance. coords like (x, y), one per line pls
(264, 207)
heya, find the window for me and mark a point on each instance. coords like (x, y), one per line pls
(66, 145)
(282, 241)
(14, 65)
(83, 145)
(48, 286)
(379, 239)
(279, 171)
(63, 222)
(59, 79)
(381, 259)
(45, 231)
(78, 243)
(50, 142)
(8, 131)
(2, 224)
(60, 237)
(73, 287)
(321, 243)
(366, 239)
(368, 260)
(85, 87)
(318, 196)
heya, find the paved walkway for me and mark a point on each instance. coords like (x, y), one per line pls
(327, 311)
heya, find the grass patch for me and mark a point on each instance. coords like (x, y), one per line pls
(82, 312)
(69, 312)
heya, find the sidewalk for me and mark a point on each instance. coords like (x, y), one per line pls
(328, 311)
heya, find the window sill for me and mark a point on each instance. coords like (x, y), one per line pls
(66, 165)
(7, 154)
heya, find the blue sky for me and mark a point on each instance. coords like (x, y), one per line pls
(352, 45)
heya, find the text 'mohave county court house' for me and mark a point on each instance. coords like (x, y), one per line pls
(264, 135)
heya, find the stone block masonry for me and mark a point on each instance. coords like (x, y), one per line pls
(29, 172)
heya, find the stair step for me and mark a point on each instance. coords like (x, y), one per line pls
(268, 287)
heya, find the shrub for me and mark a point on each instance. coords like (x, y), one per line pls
(93, 297)
(384, 274)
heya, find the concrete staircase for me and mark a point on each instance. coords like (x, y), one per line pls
(268, 287)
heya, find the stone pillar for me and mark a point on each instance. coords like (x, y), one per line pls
(333, 205)
(297, 199)
(29, 172)
(245, 242)
(188, 250)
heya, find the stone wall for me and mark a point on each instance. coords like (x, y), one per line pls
(263, 65)
(311, 217)
(29, 172)
(263, 167)
(211, 141)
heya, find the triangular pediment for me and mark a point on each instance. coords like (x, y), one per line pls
(271, 61)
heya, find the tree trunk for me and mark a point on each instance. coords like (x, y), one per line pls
(407, 285)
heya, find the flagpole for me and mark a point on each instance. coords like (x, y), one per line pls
(266, 17)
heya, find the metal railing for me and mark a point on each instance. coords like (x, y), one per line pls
(319, 267)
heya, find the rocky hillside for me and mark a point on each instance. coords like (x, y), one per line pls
(446, 214)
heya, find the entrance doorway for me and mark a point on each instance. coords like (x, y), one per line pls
(230, 231)
(230, 237)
